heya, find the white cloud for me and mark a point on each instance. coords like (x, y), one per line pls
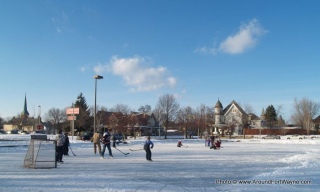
(100, 68)
(244, 39)
(136, 73)
(206, 50)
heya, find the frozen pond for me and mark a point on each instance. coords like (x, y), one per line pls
(270, 165)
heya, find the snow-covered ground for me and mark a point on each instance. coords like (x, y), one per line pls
(240, 165)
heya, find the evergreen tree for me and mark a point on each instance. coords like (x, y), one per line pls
(271, 116)
(84, 120)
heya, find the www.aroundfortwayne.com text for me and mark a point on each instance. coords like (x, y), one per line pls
(264, 182)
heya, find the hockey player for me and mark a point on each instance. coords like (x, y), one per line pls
(96, 138)
(59, 148)
(106, 143)
(179, 143)
(147, 145)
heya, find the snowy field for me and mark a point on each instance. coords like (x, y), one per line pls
(240, 165)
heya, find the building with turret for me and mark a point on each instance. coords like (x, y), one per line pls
(232, 119)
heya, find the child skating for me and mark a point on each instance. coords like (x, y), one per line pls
(148, 144)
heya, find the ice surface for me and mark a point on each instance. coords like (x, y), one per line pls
(270, 165)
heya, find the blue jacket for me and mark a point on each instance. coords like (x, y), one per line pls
(148, 144)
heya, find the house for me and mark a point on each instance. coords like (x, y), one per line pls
(315, 124)
(133, 124)
(232, 119)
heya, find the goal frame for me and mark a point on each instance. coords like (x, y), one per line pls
(41, 153)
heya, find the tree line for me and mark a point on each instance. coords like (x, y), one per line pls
(170, 114)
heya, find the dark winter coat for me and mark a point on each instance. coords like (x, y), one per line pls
(106, 138)
(66, 141)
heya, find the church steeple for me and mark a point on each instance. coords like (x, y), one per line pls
(25, 112)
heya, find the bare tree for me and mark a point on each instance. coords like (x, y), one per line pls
(305, 111)
(123, 108)
(185, 118)
(55, 116)
(145, 109)
(167, 108)
(279, 110)
(132, 123)
(203, 119)
(99, 115)
(247, 108)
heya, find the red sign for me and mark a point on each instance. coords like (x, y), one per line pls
(70, 111)
(70, 118)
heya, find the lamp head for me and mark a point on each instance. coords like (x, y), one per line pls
(98, 77)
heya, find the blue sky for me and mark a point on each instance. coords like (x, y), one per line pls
(254, 52)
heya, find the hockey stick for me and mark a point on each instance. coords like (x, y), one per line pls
(72, 151)
(121, 151)
(136, 149)
(185, 146)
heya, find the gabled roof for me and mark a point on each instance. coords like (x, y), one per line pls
(254, 117)
(317, 119)
(236, 104)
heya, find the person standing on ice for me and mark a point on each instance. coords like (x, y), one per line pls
(106, 143)
(59, 148)
(147, 145)
(179, 143)
(66, 144)
(212, 142)
(96, 142)
(208, 142)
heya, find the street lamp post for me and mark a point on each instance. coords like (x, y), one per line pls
(39, 113)
(39, 116)
(96, 77)
(72, 134)
(159, 131)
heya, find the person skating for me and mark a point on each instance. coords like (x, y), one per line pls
(59, 148)
(212, 142)
(114, 141)
(218, 143)
(96, 138)
(106, 143)
(66, 144)
(179, 143)
(147, 145)
(208, 141)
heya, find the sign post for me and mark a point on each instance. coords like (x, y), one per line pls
(72, 111)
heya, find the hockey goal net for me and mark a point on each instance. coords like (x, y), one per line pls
(41, 153)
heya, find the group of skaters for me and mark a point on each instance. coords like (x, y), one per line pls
(62, 146)
(214, 142)
(97, 138)
(105, 139)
